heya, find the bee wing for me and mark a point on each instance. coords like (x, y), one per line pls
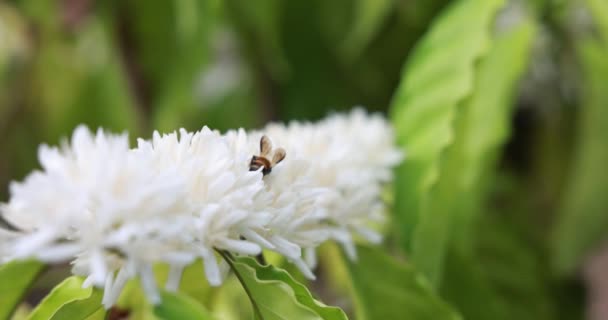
(265, 146)
(278, 156)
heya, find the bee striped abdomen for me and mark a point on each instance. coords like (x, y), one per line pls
(260, 162)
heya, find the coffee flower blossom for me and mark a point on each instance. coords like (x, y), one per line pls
(114, 211)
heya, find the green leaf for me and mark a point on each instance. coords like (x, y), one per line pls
(387, 289)
(180, 306)
(69, 300)
(440, 75)
(485, 120)
(274, 293)
(480, 129)
(15, 278)
(583, 217)
(89, 309)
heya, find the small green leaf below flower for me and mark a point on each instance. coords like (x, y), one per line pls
(275, 295)
(70, 301)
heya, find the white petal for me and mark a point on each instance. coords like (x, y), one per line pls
(369, 234)
(301, 265)
(29, 244)
(119, 283)
(239, 246)
(87, 282)
(174, 278)
(108, 300)
(59, 252)
(290, 250)
(212, 270)
(98, 267)
(310, 255)
(148, 283)
(254, 236)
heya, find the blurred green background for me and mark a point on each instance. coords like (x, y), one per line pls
(141, 65)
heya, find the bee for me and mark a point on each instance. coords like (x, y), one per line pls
(266, 152)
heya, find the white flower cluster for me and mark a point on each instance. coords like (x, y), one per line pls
(115, 211)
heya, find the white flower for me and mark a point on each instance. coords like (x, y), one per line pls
(114, 211)
(98, 204)
(351, 154)
(222, 195)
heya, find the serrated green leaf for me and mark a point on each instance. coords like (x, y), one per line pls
(439, 75)
(69, 300)
(505, 271)
(485, 121)
(275, 295)
(15, 278)
(179, 306)
(480, 129)
(583, 220)
(387, 289)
